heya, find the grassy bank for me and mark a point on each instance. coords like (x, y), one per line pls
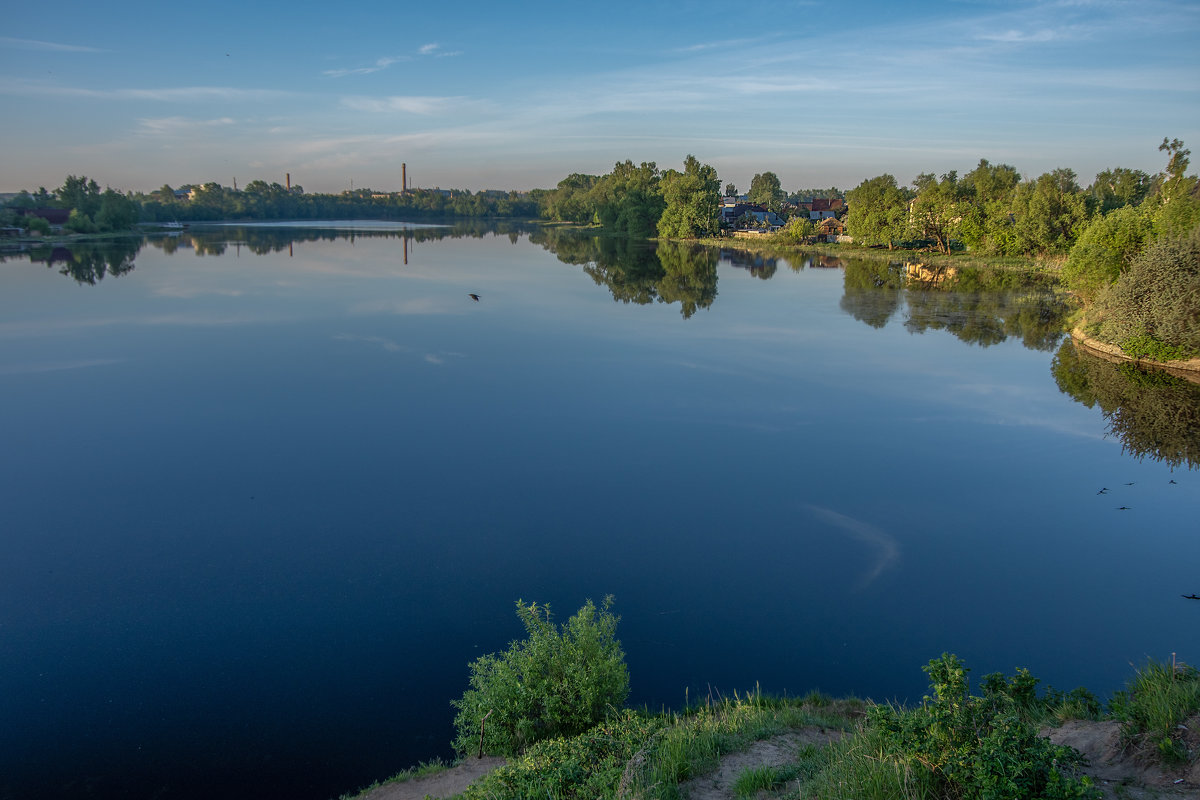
(963, 741)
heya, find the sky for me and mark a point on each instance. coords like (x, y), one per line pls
(491, 95)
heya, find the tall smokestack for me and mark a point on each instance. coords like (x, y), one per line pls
(289, 181)
(404, 177)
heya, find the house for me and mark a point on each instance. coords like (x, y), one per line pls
(55, 216)
(830, 229)
(733, 214)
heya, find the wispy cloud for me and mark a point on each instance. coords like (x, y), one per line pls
(178, 94)
(53, 47)
(409, 104)
(168, 126)
(380, 64)
(428, 49)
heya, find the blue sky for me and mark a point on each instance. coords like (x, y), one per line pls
(518, 95)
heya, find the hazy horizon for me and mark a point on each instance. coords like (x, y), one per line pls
(139, 94)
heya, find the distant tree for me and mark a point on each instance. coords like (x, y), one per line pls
(1048, 214)
(1119, 187)
(878, 211)
(985, 221)
(798, 230)
(117, 212)
(78, 192)
(692, 201)
(1180, 194)
(730, 190)
(766, 191)
(627, 200)
(569, 202)
(936, 210)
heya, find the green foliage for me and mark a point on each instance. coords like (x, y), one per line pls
(1119, 187)
(752, 780)
(692, 200)
(798, 230)
(1049, 214)
(36, 224)
(936, 212)
(556, 682)
(79, 222)
(1105, 248)
(1156, 303)
(588, 766)
(766, 191)
(627, 200)
(1151, 709)
(980, 747)
(877, 211)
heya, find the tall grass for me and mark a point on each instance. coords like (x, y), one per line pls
(1158, 699)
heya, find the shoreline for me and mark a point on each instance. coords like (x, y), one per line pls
(1188, 369)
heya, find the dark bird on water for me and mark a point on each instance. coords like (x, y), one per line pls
(1124, 508)
(1172, 481)
(474, 297)
(1191, 597)
(1129, 484)
(1103, 491)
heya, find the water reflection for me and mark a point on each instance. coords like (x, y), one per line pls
(638, 271)
(89, 262)
(978, 306)
(1154, 413)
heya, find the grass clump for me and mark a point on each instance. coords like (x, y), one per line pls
(1153, 707)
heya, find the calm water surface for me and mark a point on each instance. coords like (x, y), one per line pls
(268, 491)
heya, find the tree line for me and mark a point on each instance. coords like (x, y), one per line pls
(94, 211)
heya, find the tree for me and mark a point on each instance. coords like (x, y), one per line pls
(1048, 214)
(117, 212)
(692, 201)
(1105, 248)
(627, 200)
(1119, 187)
(877, 211)
(730, 190)
(555, 682)
(935, 211)
(79, 193)
(766, 191)
(985, 222)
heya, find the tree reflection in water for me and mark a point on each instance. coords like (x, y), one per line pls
(1154, 413)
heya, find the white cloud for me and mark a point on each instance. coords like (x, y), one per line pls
(380, 64)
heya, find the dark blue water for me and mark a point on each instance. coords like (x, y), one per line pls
(262, 506)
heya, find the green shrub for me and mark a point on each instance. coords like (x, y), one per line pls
(1105, 248)
(1157, 297)
(979, 747)
(555, 683)
(588, 766)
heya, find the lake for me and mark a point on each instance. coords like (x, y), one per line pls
(268, 490)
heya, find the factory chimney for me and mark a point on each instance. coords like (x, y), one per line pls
(289, 181)
(404, 178)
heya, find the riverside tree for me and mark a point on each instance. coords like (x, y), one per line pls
(766, 191)
(692, 201)
(878, 211)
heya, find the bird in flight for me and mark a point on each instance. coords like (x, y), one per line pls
(474, 297)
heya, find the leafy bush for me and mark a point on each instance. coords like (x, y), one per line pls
(589, 766)
(1105, 248)
(557, 682)
(980, 747)
(1157, 297)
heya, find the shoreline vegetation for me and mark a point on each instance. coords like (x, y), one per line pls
(549, 715)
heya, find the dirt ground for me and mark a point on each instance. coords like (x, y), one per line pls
(446, 783)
